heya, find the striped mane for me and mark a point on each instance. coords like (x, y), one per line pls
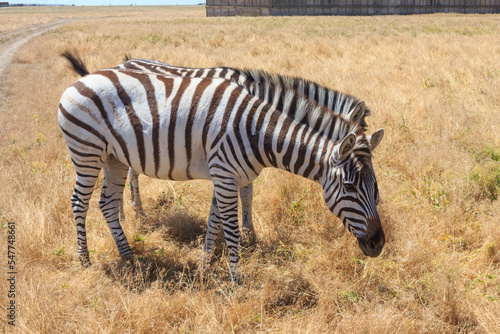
(329, 122)
(333, 101)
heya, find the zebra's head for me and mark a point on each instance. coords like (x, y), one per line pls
(351, 191)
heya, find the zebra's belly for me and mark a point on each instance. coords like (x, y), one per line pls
(171, 165)
(183, 171)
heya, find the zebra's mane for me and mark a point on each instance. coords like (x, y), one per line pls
(342, 104)
(310, 112)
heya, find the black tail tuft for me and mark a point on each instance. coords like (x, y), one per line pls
(77, 62)
(127, 57)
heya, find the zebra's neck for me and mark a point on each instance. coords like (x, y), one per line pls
(279, 140)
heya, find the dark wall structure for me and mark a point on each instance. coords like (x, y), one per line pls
(347, 7)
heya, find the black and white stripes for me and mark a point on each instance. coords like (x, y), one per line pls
(282, 91)
(185, 127)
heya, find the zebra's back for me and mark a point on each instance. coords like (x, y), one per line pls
(161, 126)
(264, 85)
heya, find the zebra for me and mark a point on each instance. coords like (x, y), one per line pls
(333, 100)
(182, 128)
(352, 109)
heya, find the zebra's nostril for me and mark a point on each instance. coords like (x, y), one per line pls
(372, 244)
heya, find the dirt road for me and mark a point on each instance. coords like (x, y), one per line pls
(11, 41)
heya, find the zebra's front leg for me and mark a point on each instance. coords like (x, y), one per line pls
(115, 176)
(246, 197)
(214, 227)
(226, 196)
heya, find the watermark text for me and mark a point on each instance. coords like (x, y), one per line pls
(11, 273)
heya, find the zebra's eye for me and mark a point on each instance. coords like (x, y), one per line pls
(349, 186)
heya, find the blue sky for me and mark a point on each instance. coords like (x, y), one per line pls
(108, 2)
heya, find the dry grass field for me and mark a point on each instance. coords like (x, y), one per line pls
(431, 81)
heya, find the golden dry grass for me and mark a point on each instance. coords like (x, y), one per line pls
(431, 81)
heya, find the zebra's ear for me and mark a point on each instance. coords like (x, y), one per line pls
(376, 138)
(358, 112)
(345, 147)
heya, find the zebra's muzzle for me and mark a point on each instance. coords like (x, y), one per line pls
(373, 242)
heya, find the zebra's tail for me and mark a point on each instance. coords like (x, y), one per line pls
(76, 61)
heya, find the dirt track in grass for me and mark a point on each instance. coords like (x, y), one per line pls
(11, 41)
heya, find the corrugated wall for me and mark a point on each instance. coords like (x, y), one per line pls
(238, 7)
(347, 7)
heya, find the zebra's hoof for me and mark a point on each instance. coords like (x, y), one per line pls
(128, 258)
(249, 238)
(237, 279)
(85, 261)
(141, 214)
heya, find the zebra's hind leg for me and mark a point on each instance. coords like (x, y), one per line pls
(86, 178)
(115, 176)
(246, 197)
(87, 157)
(135, 196)
(133, 177)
